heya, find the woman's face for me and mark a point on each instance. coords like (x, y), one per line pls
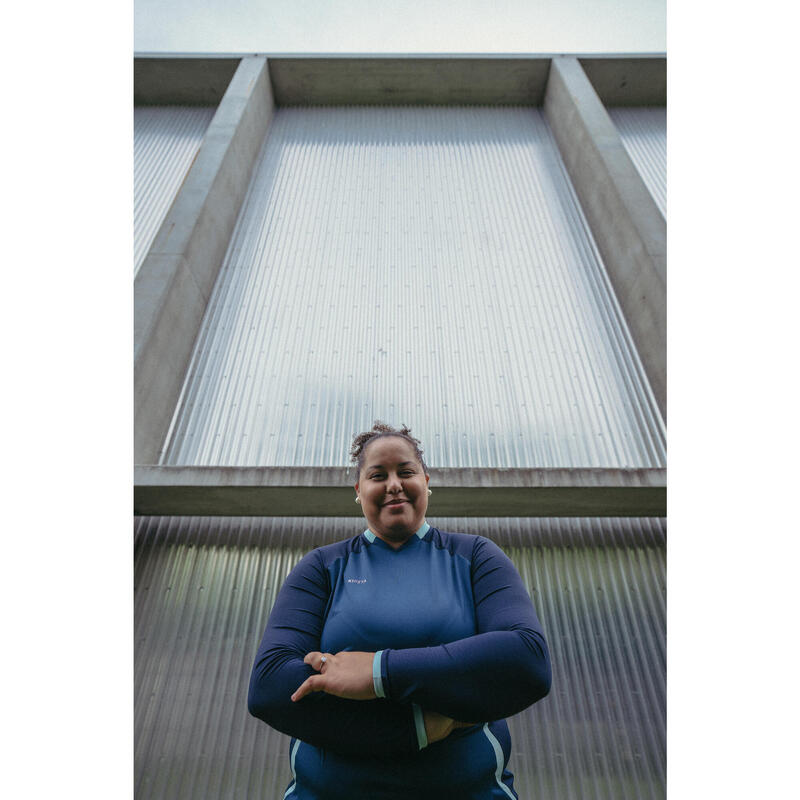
(393, 489)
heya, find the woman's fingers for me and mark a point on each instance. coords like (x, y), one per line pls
(315, 683)
(347, 674)
(317, 660)
(309, 685)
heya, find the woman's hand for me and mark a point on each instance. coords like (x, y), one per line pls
(346, 674)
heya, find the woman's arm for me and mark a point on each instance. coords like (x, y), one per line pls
(500, 671)
(348, 727)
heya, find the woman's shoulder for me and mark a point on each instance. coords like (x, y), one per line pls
(458, 543)
(327, 553)
(468, 545)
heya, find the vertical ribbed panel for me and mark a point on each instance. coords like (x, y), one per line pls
(644, 133)
(204, 588)
(165, 142)
(422, 265)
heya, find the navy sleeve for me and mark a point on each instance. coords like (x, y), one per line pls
(347, 727)
(500, 671)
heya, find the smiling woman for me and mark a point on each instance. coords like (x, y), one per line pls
(392, 484)
(393, 657)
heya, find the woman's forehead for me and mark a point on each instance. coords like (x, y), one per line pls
(392, 449)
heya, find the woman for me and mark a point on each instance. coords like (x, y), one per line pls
(393, 657)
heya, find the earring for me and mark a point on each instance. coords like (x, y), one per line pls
(358, 499)
(429, 492)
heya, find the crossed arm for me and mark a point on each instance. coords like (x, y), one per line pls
(499, 671)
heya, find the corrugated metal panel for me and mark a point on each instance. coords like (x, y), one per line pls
(644, 133)
(204, 588)
(165, 142)
(422, 265)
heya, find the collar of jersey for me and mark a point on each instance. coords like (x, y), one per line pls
(371, 537)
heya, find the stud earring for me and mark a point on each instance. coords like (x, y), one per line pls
(358, 500)
(429, 492)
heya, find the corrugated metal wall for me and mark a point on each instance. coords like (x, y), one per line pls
(644, 133)
(204, 588)
(165, 142)
(422, 265)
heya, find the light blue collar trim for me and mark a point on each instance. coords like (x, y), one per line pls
(370, 536)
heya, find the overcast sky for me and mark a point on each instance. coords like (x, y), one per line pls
(400, 26)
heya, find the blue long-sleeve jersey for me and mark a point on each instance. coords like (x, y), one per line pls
(454, 631)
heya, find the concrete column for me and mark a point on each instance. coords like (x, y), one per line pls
(627, 225)
(173, 286)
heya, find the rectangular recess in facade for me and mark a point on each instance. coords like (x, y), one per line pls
(165, 141)
(644, 134)
(422, 265)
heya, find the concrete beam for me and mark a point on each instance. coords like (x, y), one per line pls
(328, 492)
(627, 225)
(628, 81)
(181, 81)
(382, 78)
(175, 281)
(408, 81)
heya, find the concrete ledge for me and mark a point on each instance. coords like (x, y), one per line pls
(175, 281)
(627, 225)
(404, 81)
(328, 492)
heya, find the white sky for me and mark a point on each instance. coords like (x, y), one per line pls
(400, 26)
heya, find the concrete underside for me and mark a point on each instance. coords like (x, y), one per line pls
(181, 81)
(390, 80)
(327, 491)
(628, 81)
(395, 81)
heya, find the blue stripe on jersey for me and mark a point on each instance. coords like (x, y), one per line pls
(293, 785)
(498, 753)
(377, 681)
(419, 721)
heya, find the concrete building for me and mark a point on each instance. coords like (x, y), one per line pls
(474, 246)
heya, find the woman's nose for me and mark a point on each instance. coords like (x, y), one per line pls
(393, 484)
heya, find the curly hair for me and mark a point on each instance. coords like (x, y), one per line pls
(378, 431)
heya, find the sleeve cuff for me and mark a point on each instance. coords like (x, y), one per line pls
(419, 722)
(377, 681)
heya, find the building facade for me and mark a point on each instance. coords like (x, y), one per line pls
(471, 246)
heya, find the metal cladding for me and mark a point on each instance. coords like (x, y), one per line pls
(165, 141)
(644, 134)
(204, 588)
(420, 265)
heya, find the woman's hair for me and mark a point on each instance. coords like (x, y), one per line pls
(379, 430)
